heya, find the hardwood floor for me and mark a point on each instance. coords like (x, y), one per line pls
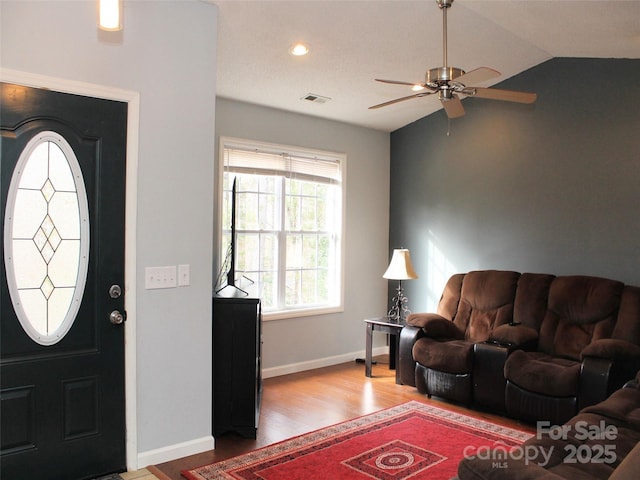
(301, 402)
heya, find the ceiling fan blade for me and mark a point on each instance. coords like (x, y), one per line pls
(401, 99)
(478, 75)
(453, 106)
(505, 95)
(397, 82)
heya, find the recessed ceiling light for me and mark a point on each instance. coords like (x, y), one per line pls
(299, 49)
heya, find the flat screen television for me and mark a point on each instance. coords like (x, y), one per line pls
(227, 276)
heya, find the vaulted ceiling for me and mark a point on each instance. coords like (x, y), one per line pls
(353, 42)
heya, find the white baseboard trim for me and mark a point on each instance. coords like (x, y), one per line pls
(199, 445)
(319, 363)
(172, 452)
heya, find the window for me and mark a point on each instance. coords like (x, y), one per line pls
(288, 225)
(46, 238)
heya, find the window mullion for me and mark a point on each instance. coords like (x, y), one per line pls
(282, 244)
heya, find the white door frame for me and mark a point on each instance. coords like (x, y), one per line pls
(131, 209)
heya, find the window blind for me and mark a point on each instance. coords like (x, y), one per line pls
(288, 164)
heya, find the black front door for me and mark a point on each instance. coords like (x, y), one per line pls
(62, 285)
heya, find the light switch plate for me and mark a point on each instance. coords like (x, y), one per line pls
(160, 277)
(183, 276)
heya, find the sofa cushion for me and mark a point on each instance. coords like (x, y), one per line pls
(630, 466)
(453, 356)
(584, 299)
(623, 407)
(486, 301)
(627, 326)
(531, 299)
(450, 298)
(582, 471)
(593, 431)
(542, 373)
(581, 309)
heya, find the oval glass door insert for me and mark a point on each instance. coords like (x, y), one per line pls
(46, 238)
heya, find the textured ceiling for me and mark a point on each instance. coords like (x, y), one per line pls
(353, 42)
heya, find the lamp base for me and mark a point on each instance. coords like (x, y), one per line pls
(399, 310)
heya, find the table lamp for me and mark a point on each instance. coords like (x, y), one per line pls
(400, 268)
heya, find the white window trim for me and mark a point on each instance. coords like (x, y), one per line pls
(225, 141)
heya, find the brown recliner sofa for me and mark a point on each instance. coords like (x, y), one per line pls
(534, 345)
(601, 442)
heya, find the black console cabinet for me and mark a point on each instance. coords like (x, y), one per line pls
(237, 378)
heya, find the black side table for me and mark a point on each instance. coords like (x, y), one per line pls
(391, 327)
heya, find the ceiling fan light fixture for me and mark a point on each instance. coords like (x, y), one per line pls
(299, 49)
(110, 15)
(442, 75)
(417, 88)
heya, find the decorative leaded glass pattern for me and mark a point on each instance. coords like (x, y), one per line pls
(46, 238)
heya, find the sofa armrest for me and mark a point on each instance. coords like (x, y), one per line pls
(434, 325)
(613, 349)
(595, 374)
(406, 363)
(514, 335)
(607, 364)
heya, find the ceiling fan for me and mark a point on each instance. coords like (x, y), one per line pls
(450, 82)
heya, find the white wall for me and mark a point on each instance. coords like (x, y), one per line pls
(309, 342)
(167, 53)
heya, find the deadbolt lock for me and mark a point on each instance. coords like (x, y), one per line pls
(115, 291)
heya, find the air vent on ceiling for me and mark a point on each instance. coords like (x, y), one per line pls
(312, 97)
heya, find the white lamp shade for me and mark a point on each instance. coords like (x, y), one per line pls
(400, 267)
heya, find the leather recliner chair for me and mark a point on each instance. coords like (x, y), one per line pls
(471, 306)
(587, 346)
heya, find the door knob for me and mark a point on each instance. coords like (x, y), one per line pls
(116, 317)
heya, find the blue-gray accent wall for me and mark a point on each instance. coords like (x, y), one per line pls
(552, 187)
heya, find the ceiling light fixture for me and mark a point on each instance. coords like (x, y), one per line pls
(299, 49)
(417, 88)
(110, 15)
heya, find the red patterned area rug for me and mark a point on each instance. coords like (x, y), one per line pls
(410, 441)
